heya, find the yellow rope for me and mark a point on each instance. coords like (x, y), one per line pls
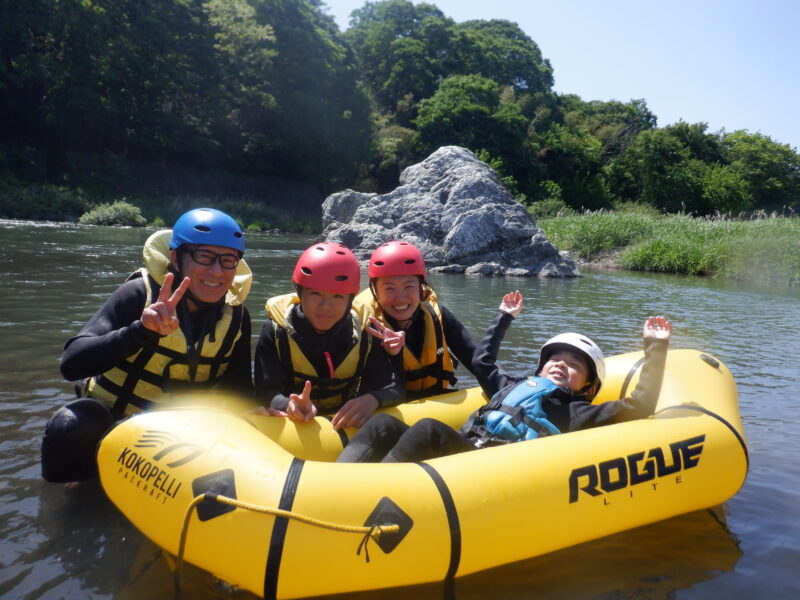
(370, 531)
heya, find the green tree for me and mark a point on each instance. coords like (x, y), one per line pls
(701, 145)
(501, 51)
(772, 170)
(320, 130)
(726, 190)
(466, 110)
(572, 159)
(657, 170)
(616, 124)
(245, 50)
(401, 48)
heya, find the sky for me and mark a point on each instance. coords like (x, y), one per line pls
(732, 64)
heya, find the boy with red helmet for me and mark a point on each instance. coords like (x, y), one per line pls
(314, 355)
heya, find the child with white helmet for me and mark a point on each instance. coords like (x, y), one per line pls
(557, 399)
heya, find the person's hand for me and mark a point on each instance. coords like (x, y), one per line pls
(355, 412)
(392, 341)
(160, 315)
(512, 303)
(657, 328)
(267, 411)
(300, 408)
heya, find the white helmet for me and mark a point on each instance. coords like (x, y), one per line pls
(580, 343)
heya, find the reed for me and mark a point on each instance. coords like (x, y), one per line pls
(761, 247)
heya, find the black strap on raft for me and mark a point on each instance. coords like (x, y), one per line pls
(278, 537)
(455, 530)
(634, 367)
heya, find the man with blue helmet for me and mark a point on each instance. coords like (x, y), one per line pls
(177, 324)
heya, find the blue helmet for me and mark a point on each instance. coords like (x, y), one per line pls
(207, 226)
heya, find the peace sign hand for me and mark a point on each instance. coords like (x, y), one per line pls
(393, 341)
(160, 315)
(300, 407)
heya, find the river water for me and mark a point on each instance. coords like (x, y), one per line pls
(59, 543)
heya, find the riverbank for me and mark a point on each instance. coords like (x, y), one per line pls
(47, 202)
(763, 249)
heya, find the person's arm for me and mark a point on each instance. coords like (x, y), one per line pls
(380, 386)
(491, 376)
(458, 339)
(238, 377)
(269, 370)
(381, 378)
(642, 401)
(113, 333)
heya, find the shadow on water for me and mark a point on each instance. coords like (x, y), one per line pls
(653, 562)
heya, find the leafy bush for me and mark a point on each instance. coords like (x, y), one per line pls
(46, 202)
(627, 206)
(251, 215)
(118, 213)
(549, 208)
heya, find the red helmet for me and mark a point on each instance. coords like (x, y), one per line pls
(328, 267)
(396, 258)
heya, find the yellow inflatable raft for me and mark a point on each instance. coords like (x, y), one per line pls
(443, 518)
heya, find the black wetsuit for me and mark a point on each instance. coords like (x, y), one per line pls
(379, 376)
(115, 332)
(386, 439)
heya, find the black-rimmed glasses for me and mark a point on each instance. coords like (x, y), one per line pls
(208, 258)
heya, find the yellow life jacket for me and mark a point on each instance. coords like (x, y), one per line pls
(329, 390)
(433, 371)
(172, 363)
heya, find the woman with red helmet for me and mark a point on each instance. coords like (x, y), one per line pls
(314, 355)
(410, 322)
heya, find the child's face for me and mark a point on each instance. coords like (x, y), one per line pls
(566, 369)
(399, 295)
(323, 309)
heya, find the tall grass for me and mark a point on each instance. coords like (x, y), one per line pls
(764, 249)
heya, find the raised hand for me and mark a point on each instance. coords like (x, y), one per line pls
(512, 303)
(160, 315)
(300, 407)
(393, 341)
(657, 328)
(355, 412)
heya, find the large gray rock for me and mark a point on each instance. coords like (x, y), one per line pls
(454, 209)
